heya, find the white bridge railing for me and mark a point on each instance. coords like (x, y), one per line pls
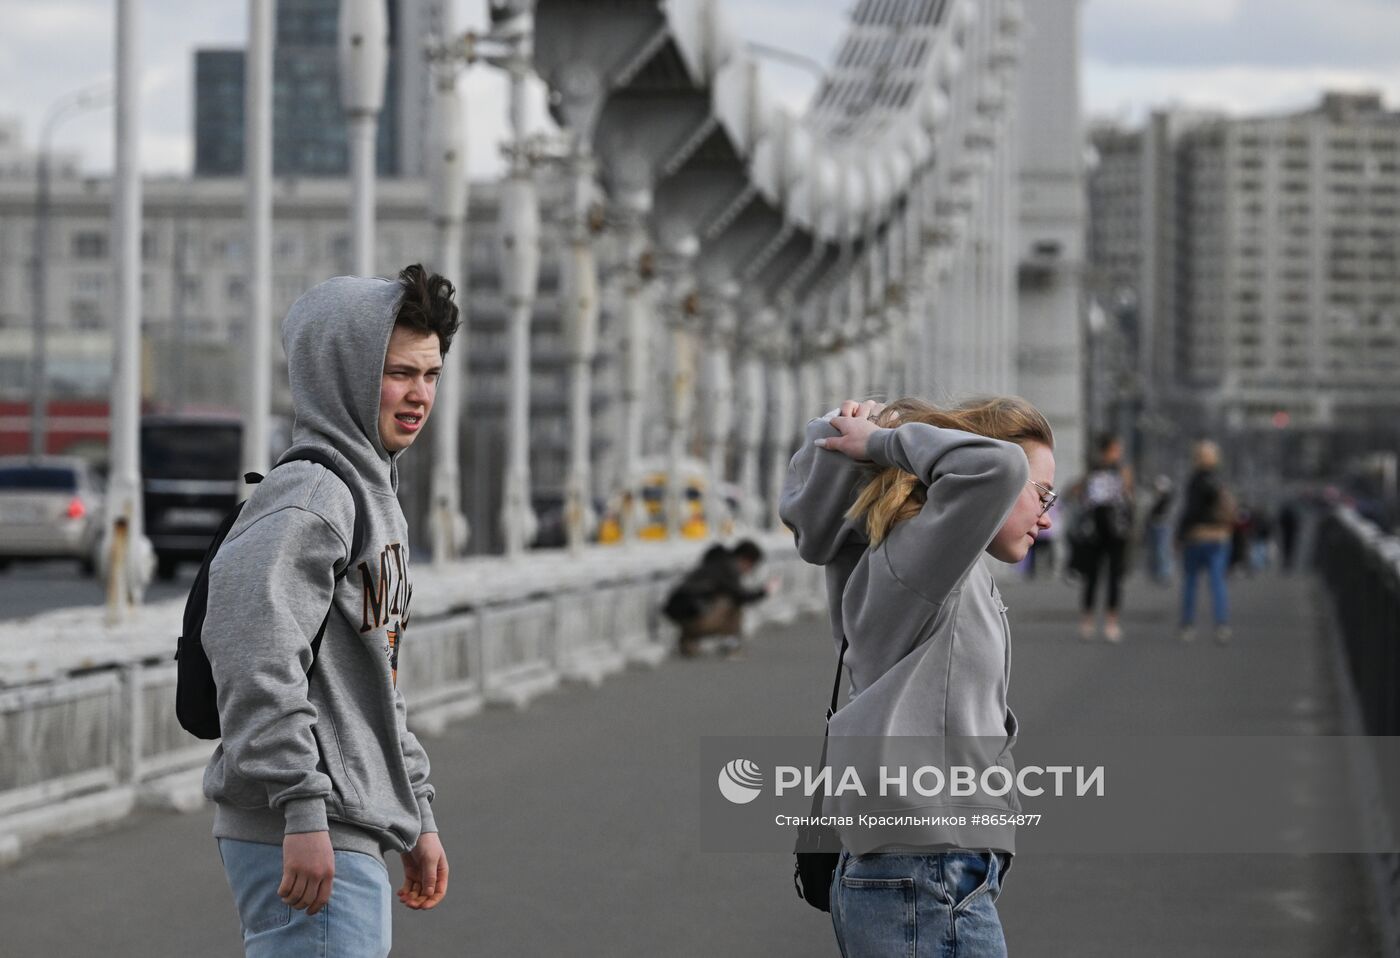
(87, 714)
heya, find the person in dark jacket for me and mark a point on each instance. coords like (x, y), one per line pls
(1288, 533)
(1105, 498)
(711, 598)
(1203, 533)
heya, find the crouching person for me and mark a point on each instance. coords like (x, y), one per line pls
(710, 600)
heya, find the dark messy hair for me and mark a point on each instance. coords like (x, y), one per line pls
(748, 550)
(427, 305)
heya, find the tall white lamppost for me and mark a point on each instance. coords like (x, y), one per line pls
(126, 552)
(680, 408)
(636, 348)
(257, 169)
(812, 400)
(447, 207)
(520, 240)
(363, 37)
(836, 376)
(581, 305)
(785, 426)
(580, 100)
(753, 412)
(717, 400)
(70, 105)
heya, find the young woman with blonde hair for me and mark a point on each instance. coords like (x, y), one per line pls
(899, 503)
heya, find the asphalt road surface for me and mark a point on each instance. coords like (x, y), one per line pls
(28, 588)
(570, 826)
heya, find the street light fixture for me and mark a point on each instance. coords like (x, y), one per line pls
(362, 40)
(508, 46)
(66, 107)
(447, 207)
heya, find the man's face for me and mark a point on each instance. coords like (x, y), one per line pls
(411, 369)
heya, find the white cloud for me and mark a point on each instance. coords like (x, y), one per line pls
(49, 48)
(1243, 55)
(1128, 93)
(1198, 12)
(31, 21)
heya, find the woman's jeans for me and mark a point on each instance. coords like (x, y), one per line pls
(355, 923)
(919, 906)
(1212, 557)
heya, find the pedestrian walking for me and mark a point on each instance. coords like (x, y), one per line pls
(1159, 530)
(1261, 537)
(1288, 533)
(1203, 534)
(1241, 534)
(317, 774)
(1105, 500)
(899, 504)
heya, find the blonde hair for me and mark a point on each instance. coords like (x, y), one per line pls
(893, 495)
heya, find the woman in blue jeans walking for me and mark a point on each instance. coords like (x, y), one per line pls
(900, 504)
(1207, 520)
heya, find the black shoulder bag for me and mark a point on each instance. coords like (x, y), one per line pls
(819, 846)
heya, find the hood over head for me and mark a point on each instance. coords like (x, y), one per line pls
(335, 337)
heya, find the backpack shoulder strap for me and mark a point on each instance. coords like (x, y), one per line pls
(357, 539)
(319, 456)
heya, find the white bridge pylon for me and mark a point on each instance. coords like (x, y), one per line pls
(866, 247)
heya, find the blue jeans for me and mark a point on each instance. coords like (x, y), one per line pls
(919, 906)
(1160, 538)
(1212, 557)
(354, 924)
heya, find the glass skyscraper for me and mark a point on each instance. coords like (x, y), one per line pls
(308, 125)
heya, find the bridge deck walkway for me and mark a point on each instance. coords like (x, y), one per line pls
(570, 825)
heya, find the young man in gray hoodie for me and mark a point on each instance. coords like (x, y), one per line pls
(317, 777)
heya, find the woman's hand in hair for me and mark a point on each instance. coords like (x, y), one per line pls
(855, 422)
(851, 409)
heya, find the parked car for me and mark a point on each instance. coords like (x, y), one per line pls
(190, 480)
(50, 508)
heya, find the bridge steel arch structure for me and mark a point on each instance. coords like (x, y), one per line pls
(866, 247)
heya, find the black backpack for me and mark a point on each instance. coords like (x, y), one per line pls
(196, 698)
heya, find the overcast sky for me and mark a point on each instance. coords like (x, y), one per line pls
(1237, 55)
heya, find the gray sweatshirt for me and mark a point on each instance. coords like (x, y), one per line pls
(929, 651)
(334, 752)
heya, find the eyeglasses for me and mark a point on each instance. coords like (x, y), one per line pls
(1047, 496)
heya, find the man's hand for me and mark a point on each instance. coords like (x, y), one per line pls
(308, 867)
(855, 422)
(424, 873)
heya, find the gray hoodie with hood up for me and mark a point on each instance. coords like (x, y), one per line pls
(335, 752)
(929, 651)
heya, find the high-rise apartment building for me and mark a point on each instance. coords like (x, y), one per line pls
(1049, 216)
(1258, 262)
(309, 132)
